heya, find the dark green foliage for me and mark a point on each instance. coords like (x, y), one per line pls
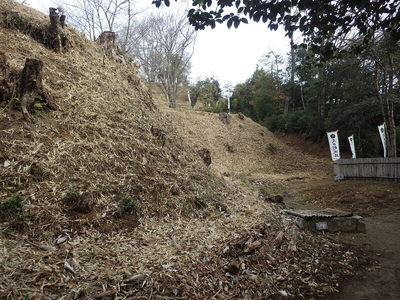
(207, 92)
(339, 94)
(217, 107)
(297, 121)
(260, 97)
(11, 208)
(318, 21)
(128, 204)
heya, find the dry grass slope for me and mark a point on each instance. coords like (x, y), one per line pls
(107, 139)
(99, 140)
(244, 146)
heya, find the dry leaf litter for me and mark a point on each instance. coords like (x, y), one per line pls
(212, 239)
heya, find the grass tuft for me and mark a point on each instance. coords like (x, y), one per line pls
(11, 208)
(128, 204)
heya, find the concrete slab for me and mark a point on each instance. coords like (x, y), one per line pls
(312, 213)
(327, 220)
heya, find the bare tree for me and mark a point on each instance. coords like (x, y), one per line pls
(163, 45)
(92, 17)
(273, 63)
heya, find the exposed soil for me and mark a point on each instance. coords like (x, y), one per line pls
(379, 203)
(382, 282)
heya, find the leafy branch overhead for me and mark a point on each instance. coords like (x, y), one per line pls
(323, 24)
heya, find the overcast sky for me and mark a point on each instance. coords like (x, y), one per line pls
(230, 55)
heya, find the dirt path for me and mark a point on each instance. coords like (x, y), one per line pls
(379, 203)
(383, 237)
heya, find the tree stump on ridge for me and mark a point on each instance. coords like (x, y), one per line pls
(224, 118)
(108, 40)
(57, 24)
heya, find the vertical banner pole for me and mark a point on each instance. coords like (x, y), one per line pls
(352, 147)
(334, 144)
(382, 133)
(189, 100)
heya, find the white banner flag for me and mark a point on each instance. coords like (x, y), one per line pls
(382, 133)
(352, 147)
(189, 99)
(334, 144)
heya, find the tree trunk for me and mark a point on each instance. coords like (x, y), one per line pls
(391, 136)
(287, 99)
(388, 117)
(292, 67)
(383, 89)
(302, 96)
(62, 21)
(171, 99)
(391, 125)
(321, 102)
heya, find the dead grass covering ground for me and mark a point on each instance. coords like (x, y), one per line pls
(98, 141)
(99, 147)
(302, 143)
(244, 146)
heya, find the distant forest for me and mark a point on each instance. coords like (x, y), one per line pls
(303, 94)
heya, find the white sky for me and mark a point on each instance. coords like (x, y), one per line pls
(230, 55)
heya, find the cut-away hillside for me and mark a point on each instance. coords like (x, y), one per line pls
(105, 138)
(242, 146)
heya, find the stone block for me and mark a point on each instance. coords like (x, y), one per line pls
(336, 224)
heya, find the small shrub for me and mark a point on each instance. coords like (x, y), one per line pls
(11, 207)
(128, 203)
